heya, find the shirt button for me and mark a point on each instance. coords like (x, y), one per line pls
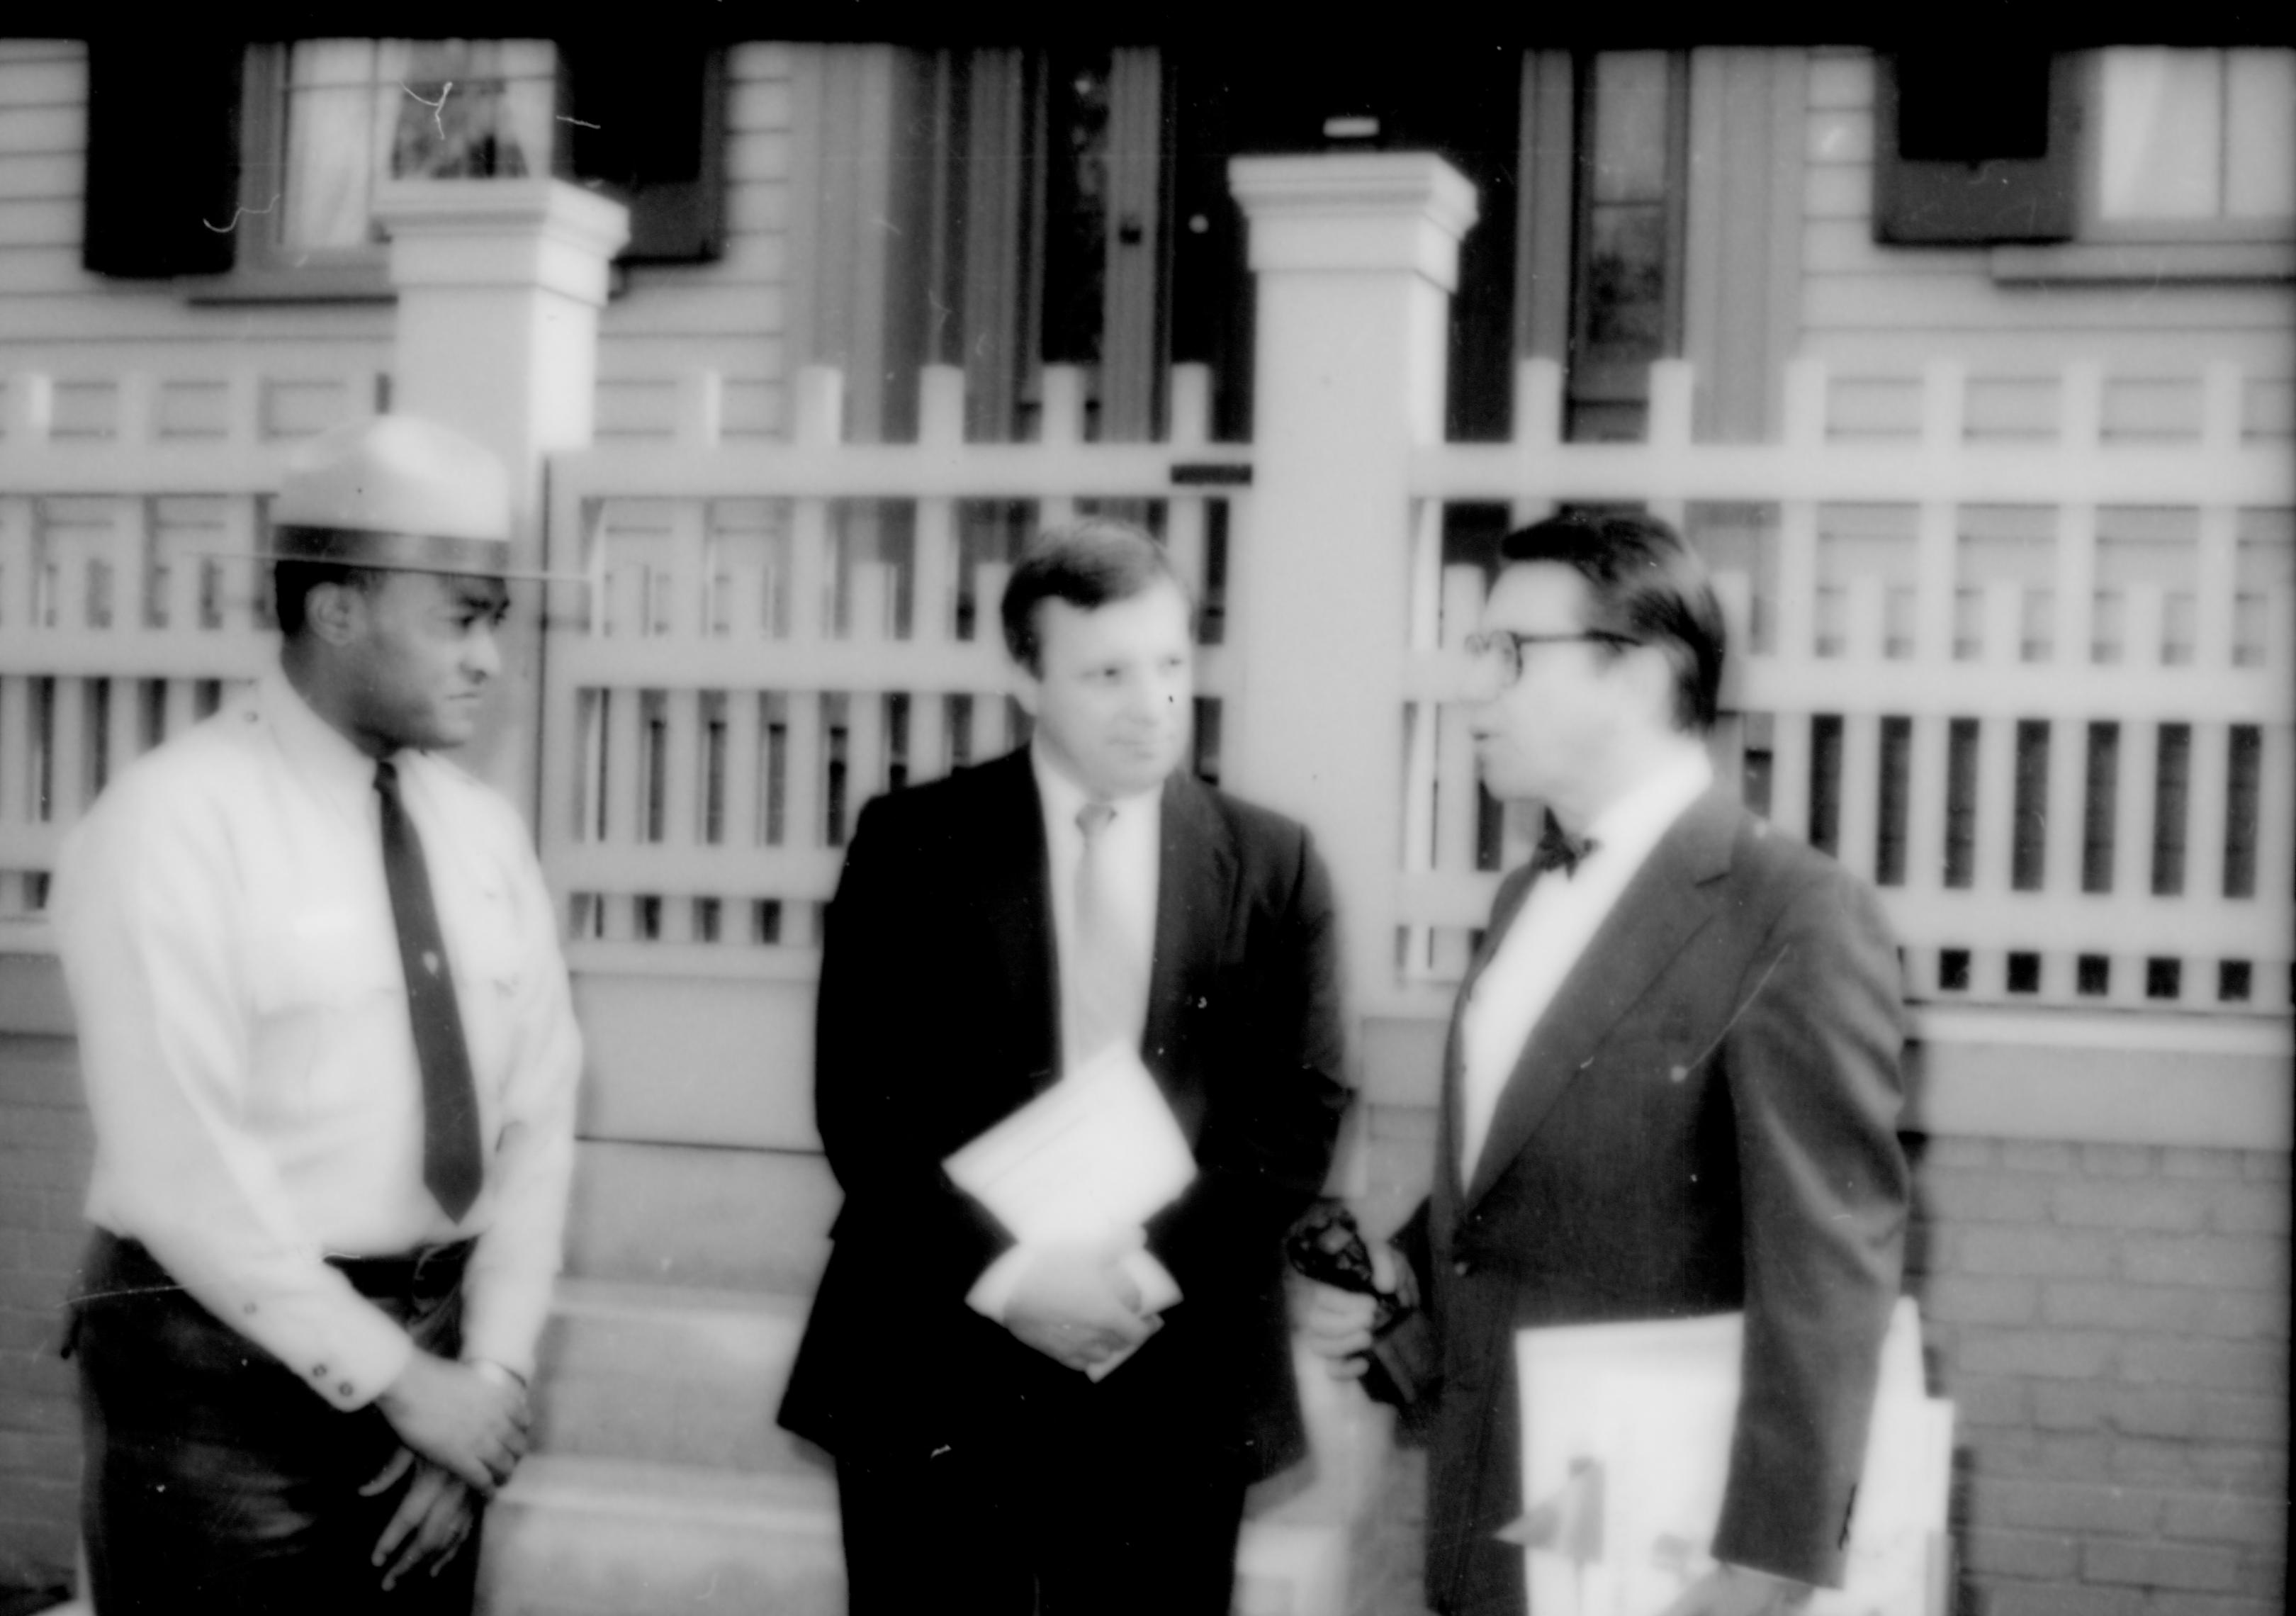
(249, 1309)
(1462, 1267)
(344, 1389)
(319, 1371)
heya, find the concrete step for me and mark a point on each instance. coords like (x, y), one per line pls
(672, 1374)
(583, 1535)
(698, 1216)
(580, 1536)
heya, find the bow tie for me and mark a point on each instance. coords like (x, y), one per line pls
(1559, 850)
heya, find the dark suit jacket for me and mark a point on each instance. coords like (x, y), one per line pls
(1703, 1119)
(939, 1015)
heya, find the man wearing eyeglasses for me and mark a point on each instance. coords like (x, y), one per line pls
(1671, 1089)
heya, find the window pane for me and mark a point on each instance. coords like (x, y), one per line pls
(1630, 106)
(474, 109)
(2260, 133)
(2163, 121)
(330, 149)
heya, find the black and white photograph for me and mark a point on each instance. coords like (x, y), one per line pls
(810, 814)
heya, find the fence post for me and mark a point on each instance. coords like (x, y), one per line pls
(499, 286)
(1355, 256)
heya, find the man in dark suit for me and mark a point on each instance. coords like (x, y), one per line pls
(1671, 1086)
(991, 932)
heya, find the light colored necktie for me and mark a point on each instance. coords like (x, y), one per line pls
(1106, 996)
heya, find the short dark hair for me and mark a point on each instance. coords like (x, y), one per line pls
(291, 582)
(1643, 584)
(1086, 563)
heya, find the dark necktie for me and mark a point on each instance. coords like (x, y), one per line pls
(1559, 850)
(451, 1167)
(1105, 986)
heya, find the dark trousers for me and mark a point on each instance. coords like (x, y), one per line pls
(1081, 1506)
(214, 1478)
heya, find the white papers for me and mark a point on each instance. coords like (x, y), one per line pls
(1091, 1158)
(1095, 1155)
(1625, 1452)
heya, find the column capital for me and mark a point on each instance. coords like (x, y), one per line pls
(526, 232)
(1396, 210)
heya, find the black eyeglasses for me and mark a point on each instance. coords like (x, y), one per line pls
(1504, 646)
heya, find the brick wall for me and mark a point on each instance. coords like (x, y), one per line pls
(2112, 1323)
(44, 1152)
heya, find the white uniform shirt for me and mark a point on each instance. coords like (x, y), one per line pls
(1557, 920)
(227, 937)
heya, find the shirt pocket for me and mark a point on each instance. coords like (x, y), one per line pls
(323, 959)
(483, 938)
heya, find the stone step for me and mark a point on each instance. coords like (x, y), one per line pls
(672, 1374)
(698, 1216)
(583, 1535)
(579, 1535)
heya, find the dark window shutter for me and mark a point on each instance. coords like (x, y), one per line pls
(1973, 147)
(163, 181)
(650, 128)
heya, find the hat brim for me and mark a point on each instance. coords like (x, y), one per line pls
(377, 552)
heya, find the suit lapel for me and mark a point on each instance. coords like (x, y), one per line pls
(1512, 893)
(1195, 873)
(1015, 884)
(1668, 900)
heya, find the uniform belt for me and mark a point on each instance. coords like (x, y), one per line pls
(423, 1274)
(424, 1271)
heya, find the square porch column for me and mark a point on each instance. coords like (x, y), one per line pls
(500, 282)
(1355, 256)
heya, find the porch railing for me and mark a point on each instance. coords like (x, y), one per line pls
(123, 616)
(2028, 673)
(778, 632)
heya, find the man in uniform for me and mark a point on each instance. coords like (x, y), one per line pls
(331, 1060)
(1672, 1085)
(992, 932)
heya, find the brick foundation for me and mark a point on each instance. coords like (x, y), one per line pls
(46, 1149)
(2112, 1323)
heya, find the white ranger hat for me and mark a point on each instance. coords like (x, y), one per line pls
(397, 493)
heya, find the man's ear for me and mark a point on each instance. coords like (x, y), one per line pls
(335, 612)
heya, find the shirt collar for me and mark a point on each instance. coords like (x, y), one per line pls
(316, 748)
(1635, 821)
(1064, 798)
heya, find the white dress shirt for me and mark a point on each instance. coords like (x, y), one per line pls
(1132, 857)
(1557, 920)
(226, 934)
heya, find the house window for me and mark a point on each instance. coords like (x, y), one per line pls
(2129, 163)
(2195, 141)
(346, 114)
(327, 120)
(254, 167)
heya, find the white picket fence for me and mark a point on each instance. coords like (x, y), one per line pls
(124, 614)
(2038, 687)
(778, 632)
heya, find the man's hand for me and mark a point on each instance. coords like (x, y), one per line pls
(1337, 1324)
(432, 1523)
(472, 1424)
(1075, 1305)
(1738, 1590)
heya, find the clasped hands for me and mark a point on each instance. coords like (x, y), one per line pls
(462, 1430)
(1078, 1305)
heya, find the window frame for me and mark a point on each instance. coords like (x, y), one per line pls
(677, 218)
